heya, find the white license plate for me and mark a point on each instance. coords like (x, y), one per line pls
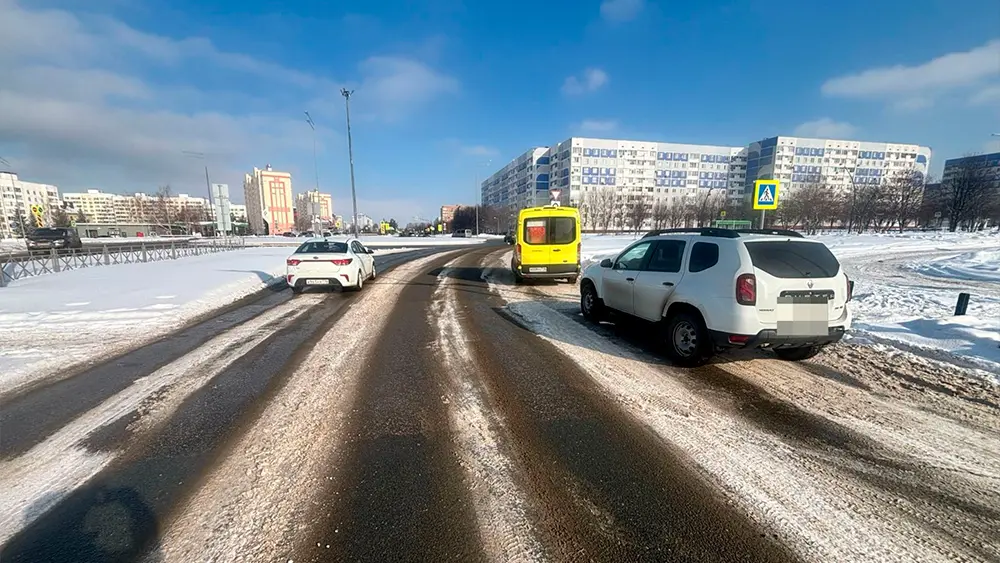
(537, 270)
(317, 282)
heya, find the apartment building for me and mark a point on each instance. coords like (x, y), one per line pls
(269, 201)
(97, 206)
(105, 208)
(16, 200)
(314, 202)
(987, 165)
(839, 164)
(522, 182)
(239, 212)
(448, 213)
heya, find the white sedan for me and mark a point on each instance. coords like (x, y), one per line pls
(332, 263)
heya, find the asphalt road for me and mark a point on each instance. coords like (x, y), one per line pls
(431, 418)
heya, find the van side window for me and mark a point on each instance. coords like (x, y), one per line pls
(666, 256)
(704, 255)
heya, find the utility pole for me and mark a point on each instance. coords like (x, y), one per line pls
(350, 152)
(208, 183)
(314, 201)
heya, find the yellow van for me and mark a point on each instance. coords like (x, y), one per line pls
(547, 244)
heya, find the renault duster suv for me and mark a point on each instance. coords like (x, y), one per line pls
(710, 289)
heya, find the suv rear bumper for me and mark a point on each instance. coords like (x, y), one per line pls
(770, 338)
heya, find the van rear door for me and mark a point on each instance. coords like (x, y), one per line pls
(562, 240)
(797, 273)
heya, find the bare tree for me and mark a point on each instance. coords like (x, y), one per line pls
(904, 190)
(161, 214)
(970, 196)
(81, 217)
(603, 201)
(60, 218)
(303, 222)
(660, 214)
(619, 210)
(638, 212)
(675, 214)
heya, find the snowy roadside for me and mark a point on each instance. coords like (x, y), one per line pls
(51, 323)
(906, 289)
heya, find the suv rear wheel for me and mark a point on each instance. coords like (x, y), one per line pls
(797, 354)
(686, 339)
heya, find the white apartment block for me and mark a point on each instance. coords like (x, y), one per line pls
(839, 164)
(16, 198)
(97, 206)
(100, 207)
(522, 182)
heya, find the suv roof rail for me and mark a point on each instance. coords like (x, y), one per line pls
(703, 231)
(779, 232)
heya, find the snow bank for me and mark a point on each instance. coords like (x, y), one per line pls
(983, 265)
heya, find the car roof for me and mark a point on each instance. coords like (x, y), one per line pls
(330, 239)
(744, 235)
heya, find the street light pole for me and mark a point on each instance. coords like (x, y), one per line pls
(314, 201)
(208, 182)
(350, 152)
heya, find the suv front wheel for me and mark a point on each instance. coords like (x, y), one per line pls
(590, 304)
(686, 339)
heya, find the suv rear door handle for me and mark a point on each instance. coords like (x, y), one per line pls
(668, 284)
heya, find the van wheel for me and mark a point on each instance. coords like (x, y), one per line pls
(686, 339)
(797, 354)
(591, 305)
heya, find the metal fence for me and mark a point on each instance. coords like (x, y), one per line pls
(25, 264)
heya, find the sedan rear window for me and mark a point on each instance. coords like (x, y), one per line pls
(322, 246)
(793, 259)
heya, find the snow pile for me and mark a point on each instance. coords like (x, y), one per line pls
(983, 265)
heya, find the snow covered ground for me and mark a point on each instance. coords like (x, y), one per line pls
(906, 286)
(378, 241)
(48, 323)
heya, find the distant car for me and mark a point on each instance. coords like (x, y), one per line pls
(322, 262)
(57, 237)
(327, 234)
(508, 238)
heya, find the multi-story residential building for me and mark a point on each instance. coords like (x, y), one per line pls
(269, 201)
(16, 200)
(312, 202)
(239, 212)
(97, 206)
(522, 182)
(448, 213)
(986, 165)
(839, 164)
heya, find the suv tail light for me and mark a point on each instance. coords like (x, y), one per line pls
(293, 262)
(746, 289)
(341, 261)
(850, 288)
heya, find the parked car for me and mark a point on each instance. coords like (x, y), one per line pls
(322, 262)
(710, 289)
(548, 244)
(508, 238)
(54, 237)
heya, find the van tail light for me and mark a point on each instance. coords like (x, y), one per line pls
(579, 250)
(850, 288)
(746, 289)
(293, 262)
(341, 261)
(517, 251)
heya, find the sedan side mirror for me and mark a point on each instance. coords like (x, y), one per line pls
(606, 263)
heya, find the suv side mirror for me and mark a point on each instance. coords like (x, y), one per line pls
(606, 263)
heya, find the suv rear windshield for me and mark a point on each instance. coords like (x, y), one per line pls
(793, 259)
(550, 230)
(322, 246)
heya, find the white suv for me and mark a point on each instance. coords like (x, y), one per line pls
(718, 288)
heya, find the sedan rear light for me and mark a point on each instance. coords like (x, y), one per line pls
(746, 289)
(341, 261)
(293, 262)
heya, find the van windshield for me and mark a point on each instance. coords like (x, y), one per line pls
(550, 230)
(793, 259)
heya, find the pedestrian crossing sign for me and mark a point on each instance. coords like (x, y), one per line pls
(765, 194)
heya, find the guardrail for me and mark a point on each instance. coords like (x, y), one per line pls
(26, 264)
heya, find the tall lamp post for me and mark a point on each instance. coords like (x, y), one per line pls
(208, 183)
(314, 201)
(350, 153)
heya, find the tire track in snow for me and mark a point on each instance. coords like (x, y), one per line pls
(823, 506)
(504, 530)
(260, 500)
(51, 470)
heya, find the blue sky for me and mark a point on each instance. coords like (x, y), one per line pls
(106, 94)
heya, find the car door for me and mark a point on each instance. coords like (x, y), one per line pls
(361, 256)
(618, 279)
(660, 275)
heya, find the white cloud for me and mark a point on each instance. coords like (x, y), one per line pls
(83, 103)
(588, 126)
(915, 87)
(592, 79)
(621, 10)
(986, 96)
(825, 128)
(479, 150)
